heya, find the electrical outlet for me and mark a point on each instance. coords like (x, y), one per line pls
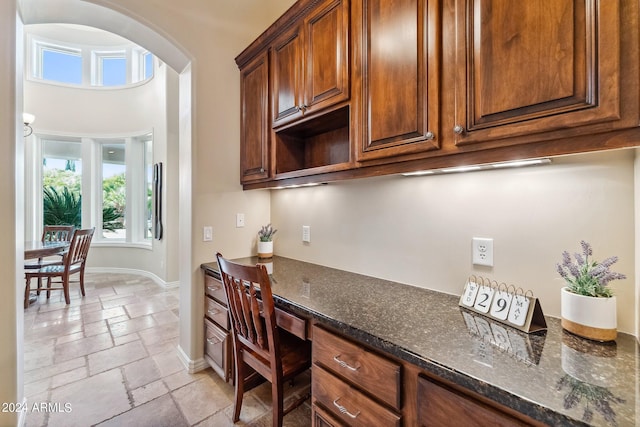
(207, 233)
(306, 233)
(482, 251)
(239, 220)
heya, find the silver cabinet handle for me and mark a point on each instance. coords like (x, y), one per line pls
(211, 342)
(458, 129)
(344, 410)
(213, 312)
(212, 288)
(344, 364)
(430, 135)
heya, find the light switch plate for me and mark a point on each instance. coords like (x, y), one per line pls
(207, 233)
(306, 233)
(239, 220)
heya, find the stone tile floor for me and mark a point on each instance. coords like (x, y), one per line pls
(110, 359)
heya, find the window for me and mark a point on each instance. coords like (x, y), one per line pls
(61, 182)
(87, 66)
(63, 65)
(114, 185)
(111, 69)
(117, 197)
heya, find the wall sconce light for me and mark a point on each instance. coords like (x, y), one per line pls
(28, 119)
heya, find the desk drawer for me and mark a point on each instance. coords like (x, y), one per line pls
(213, 287)
(364, 369)
(290, 322)
(217, 312)
(217, 349)
(347, 404)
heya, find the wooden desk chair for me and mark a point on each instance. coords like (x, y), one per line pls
(272, 352)
(73, 262)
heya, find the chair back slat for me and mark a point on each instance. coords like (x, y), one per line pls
(79, 248)
(57, 233)
(254, 327)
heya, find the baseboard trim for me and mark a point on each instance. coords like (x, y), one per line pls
(148, 274)
(22, 418)
(192, 366)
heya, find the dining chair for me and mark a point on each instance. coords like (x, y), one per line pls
(73, 262)
(52, 233)
(258, 342)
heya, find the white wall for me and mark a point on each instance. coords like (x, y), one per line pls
(11, 182)
(418, 230)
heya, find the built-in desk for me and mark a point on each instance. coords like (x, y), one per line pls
(553, 377)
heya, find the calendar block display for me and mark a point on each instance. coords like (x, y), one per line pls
(506, 304)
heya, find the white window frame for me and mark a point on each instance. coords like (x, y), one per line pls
(38, 49)
(97, 66)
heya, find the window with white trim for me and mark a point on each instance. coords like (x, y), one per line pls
(88, 66)
(119, 197)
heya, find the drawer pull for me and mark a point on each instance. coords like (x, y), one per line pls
(344, 364)
(213, 288)
(344, 410)
(210, 341)
(213, 312)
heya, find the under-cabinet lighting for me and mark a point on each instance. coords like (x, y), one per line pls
(312, 184)
(509, 164)
(461, 169)
(418, 173)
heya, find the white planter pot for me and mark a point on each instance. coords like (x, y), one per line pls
(265, 249)
(589, 317)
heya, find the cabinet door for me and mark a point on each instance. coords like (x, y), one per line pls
(327, 55)
(527, 68)
(438, 406)
(255, 123)
(287, 73)
(400, 57)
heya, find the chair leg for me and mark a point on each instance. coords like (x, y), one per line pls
(276, 403)
(82, 280)
(65, 286)
(239, 390)
(27, 290)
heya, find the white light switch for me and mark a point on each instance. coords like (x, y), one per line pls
(239, 220)
(306, 233)
(207, 234)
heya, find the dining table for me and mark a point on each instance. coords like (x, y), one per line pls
(39, 249)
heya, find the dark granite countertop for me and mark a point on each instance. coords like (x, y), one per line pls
(552, 376)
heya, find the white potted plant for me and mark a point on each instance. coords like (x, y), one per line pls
(265, 241)
(587, 305)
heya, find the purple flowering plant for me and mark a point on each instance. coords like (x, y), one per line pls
(266, 233)
(585, 276)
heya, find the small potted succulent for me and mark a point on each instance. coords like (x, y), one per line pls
(265, 241)
(588, 306)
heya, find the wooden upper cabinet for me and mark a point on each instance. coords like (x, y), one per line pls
(399, 45)
(310, 63)
(529, 68)
(255, 120)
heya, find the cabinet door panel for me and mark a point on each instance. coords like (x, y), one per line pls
(438, 406)
(535, 66)
(327, 42)
(401, 66)
(287, 66)
(255, 123)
